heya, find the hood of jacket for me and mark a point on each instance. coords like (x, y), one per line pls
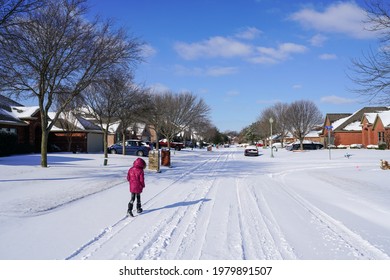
(139, 163)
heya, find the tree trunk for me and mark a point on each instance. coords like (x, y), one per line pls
(44, 140)
(105, 141)
(123, 142)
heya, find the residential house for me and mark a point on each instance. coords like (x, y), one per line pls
(348, 129)
(376, 128)
(139, 131)
(22, 121)
(72, 132)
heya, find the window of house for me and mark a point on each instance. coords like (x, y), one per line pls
(381, 136)
(9, 130)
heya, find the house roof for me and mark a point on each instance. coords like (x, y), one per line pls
(8, 112)
(7, 117)
(23, 112)
(352, 122)
(384, 116)
(6, 102)
(336, 117)
(70, 120)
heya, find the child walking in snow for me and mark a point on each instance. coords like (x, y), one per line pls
(135, 176)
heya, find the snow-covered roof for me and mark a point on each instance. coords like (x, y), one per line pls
(338, 122)
(385, 117)
(114, 127)
(313, 133)
(78, 122)
(354, 126)
(13, 113)
(23, 112)
(371, 117)
(353, 122)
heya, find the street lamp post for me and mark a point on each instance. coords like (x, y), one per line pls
(329, 128)
(271, 120)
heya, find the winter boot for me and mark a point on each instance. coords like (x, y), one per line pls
(130, 209)
(139, 209)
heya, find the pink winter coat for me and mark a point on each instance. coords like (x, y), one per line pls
(135, 176)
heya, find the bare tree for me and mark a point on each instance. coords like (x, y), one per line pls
(371, 73)
(102, 100)
(9, 9)
(262, 124)
(303, 116)
(53, 51)
(133, 107)
(281, 120)
(199, 131)
(173, 113)
(181, 110)
(68, 120)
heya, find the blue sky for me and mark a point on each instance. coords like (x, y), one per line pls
(242, 56)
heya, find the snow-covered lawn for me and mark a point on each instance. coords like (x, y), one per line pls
(209, 205)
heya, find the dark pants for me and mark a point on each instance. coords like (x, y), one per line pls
(133, 197)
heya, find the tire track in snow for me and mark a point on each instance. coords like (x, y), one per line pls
(279, 241)
(182, 224)
(261, 236)
(162, 229)
(195, 245)
(334, 229)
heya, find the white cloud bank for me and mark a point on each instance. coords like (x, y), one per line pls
(341, 17)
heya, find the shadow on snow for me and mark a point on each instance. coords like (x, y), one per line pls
(177, 204)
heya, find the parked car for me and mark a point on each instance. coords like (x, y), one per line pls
(132, 147)
(174, 145)
(306, 146)
(251, 151)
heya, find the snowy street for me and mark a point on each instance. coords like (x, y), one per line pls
(209, 205)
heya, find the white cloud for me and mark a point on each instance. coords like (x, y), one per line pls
(221, 71)
(297, 86)
(328, 56)
(148, 51)
(214, 47)
(159, 88)
(341, 17)
(275, 55)
(232, 47)
(318, 40)
(333, 99)
(248, 33)
(214, 71)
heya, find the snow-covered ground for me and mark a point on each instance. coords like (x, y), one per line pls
(208, 206)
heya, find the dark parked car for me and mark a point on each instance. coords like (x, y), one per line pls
(173, 145)
(132, 147)
(306, 146)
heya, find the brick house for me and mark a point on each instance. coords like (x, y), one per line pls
(22, 121)
(72, 132)
(356, 128)
(376, 128)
